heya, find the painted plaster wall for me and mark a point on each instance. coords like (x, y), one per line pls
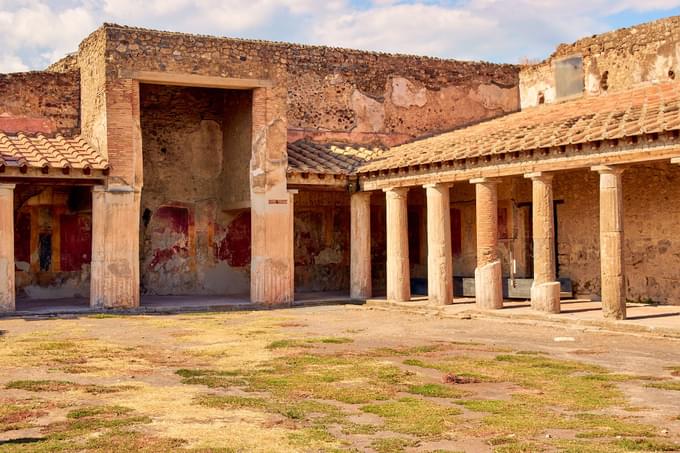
(196, 145)
(611, 61)
(53, 241)
(322, 220)
(651, 216)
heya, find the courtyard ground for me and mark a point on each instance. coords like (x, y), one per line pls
(339, 378)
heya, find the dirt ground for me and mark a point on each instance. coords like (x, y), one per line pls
(331, 379)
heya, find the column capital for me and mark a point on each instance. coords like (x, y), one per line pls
(362, 194)
(607, 169)
(7, 186)
(485, 181)
(438, 185)
(396, 190)
(540, 176)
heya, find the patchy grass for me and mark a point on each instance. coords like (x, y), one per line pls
(20, 414)
(308, 343)
(63, 386)
(392, 444)
(236, 382)
(665, 385)
(415, 416)
(437, 390)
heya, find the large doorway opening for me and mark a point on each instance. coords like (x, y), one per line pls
(195, 234)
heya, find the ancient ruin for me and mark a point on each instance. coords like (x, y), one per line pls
(153, 163)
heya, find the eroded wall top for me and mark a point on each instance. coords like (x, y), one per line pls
(333, 94)
(43, 102)
(612, 61)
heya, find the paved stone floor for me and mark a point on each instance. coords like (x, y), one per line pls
(153, 304)
(660, 319)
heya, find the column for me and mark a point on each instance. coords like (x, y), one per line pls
(7, 291)
(488, 274)
(398, 272)
(272, 215)
(611, 243)
(115, 248)
(360, 243)
(439, 260)
(545, 290)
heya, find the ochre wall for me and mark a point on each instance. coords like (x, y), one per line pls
(612, 61)
(196, 144)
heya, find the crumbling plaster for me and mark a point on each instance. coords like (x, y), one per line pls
(612, 61)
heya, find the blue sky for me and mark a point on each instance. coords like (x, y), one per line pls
(34, 33)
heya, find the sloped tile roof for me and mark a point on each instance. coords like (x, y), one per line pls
(328, 158)
(644, 110)
(40, 151)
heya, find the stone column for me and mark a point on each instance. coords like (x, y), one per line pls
(7, 295)
(545, 290)
(398, 271)
(360, 239)
(611, 243)
(488, 274)
(439, 259)
(115, 248)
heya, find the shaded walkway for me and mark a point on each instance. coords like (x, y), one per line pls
(170, 304)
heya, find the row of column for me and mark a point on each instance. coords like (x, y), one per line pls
(545, 291)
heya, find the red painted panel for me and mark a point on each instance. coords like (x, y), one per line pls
(503, 223)
(22, 237)
(174, 217)
(235, 247)
(456, 232)
(170, 220)
(76, 241)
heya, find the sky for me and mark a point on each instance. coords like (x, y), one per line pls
(34, 33)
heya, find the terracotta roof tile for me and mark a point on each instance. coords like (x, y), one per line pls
(40, 151)
(328, 158)
(643, 110)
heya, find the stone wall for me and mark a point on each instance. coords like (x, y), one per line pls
(611, 61)
(40, 102)
(337, 94)
(196, 144)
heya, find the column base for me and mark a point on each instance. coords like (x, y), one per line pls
(545, 297)
(613, 298)
(488, 286)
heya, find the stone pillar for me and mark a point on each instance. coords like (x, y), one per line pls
(398, 271)
(7, 291)
(439, 259)
(545, 290)
(115, 248)
(611, 243)
(272, 216)
(360, 239)
(488, 274)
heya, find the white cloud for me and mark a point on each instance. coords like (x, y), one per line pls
(34, 33)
